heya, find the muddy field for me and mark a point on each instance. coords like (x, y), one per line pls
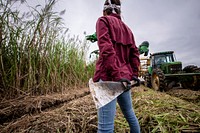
(186, 94)
(74, 112)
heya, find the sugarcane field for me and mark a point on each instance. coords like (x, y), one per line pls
(46, 76)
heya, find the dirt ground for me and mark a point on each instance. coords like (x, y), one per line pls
(75, 112)
(186, 94)
(68, 112)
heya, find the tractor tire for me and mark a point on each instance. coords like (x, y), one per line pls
(190, 69)
(193, 83)
(197, 80)
(158, 80)
(147, 81)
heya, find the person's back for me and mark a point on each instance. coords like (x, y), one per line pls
(119, 49)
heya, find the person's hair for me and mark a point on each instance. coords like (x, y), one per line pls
(109, 10)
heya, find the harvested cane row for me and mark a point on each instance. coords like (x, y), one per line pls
(186, 94)
(14, 109)
(74, 117)
(156, 111)
(160, 112)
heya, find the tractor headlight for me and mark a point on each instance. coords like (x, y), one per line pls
(172, 69)
(175, 69)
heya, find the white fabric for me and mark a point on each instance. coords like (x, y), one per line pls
(113, 6)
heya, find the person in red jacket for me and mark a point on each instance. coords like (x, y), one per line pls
(118, 61)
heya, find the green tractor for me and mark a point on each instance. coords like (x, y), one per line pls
(165, 73)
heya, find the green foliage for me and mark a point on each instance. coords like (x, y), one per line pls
(35, 55)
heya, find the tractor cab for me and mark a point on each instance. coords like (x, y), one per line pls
(161, 58)
(165, 61)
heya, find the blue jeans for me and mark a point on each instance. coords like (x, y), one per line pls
(106, 114)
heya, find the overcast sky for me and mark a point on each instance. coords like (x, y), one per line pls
(166, 24)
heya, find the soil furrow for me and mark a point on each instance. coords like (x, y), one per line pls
(17, 109)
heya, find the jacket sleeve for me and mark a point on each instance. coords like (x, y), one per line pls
(106, 49)
(134, 59)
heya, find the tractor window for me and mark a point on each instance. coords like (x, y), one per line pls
(170, 58)
(164, 58)
(160, 59)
